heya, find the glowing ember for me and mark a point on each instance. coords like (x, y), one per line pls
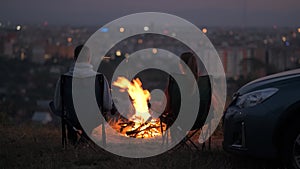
(141, 124)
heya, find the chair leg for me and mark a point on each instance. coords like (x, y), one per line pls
(209, 139)
(203, 146)
(162, 131)
(209, 143)
(64, 134)
(103, 133)
(83, 140)
(196, 147)
(189, 138)
(167, 139)
(164, 134)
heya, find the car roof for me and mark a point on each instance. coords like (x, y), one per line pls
(277, 75)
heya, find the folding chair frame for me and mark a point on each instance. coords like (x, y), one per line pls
(65, 121)
(188, 136)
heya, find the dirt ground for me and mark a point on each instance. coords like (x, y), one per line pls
(39, 146)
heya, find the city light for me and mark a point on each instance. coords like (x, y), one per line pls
(127, 55)
(283, 38)
(287, 43)
(69, 40)
(47, 56)
(104, 29)
(118, 53)
(22, 56)
(146, 28)
(18, 27)
(204, 30)
(140, 41)
(265, 41)
(122, 29)
(298, 30)
(154, 51)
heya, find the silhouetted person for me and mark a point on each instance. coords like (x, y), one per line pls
(173, 94)
(82, 70)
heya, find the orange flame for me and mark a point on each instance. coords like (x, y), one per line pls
(139, 96)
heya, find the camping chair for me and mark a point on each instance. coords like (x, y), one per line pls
(71, 129)
(204, 87)
(74, 132)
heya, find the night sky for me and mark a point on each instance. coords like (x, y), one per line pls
(200, 12)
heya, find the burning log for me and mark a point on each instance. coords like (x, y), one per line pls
(141, 124)
(138, 128)
(126, 124)
(147, 130)
(151, 128)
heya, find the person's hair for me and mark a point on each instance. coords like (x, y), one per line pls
(85, 53)
(190, 60)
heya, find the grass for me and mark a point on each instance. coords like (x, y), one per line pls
(37, 146)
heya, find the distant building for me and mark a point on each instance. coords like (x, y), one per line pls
(8, 43)
(38, 53)
(60, 50)
(232, 60)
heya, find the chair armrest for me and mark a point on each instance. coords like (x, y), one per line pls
(53, 110)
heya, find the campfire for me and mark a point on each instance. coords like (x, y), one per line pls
(141, 124)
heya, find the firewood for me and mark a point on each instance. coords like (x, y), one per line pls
(135, 130)
(125, 124)
(134, 133)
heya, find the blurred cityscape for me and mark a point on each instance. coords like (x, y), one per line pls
(33, 57)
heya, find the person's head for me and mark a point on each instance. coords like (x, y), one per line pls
(85, 54)
(190, 60)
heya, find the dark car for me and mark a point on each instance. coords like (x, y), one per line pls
(263, 120)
